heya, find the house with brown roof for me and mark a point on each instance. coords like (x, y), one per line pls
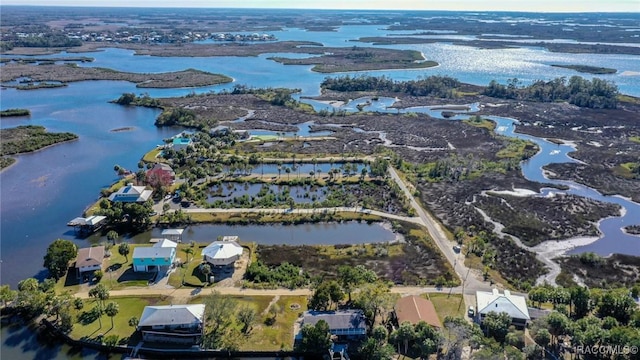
(89, 259)
(415, 309)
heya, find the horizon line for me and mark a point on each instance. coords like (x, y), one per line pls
(322, 9)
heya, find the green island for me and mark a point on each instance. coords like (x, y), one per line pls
(15, 112)
(65, 73)
(39, 85)
(28, 138)
(588, 69)
(361, 59)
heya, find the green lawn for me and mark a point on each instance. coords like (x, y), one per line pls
(448, 305)
(279, 335)
(89, 328)
(265, 337)
(120, 276)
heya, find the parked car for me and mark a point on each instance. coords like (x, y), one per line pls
(456, 248)
(471, 312)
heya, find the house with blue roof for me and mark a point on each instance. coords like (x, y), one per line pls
(180, 143)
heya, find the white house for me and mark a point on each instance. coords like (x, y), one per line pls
(166, 243)
(89, 259)
(130, 193)
(221, 253)
(514, 305)
(172, 323)
(152, 258)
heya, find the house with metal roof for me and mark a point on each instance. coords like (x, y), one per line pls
(153, 258)
(89, 259)
(89, 224)
(166, 243)
(415, 309)
(222, 253)
(173, 234)
(345, 324)
(130, 193)
(514, 305)
(183, 324)
(180, 143)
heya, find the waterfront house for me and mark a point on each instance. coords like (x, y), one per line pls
(344, 324)
(222, 253)
(89, 224)
(166, 243)
(514, 305)
(150, 259)
(182, 324)
(415, 309)
(89, 260)
(180, 143)
(173, 234)
(160, 174)
(130, 193)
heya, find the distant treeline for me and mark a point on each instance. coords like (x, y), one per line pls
(15, 112)
(29, 138)
(46, 40)
(440, 86)
(597, 93)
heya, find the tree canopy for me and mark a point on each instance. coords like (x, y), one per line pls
(58, 255)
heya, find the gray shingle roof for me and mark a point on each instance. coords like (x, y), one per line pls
(343, 319)
(172, 315)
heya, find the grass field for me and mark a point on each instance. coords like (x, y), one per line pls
(89, 327)
(280, 334)
(448, 305)
(265, 337)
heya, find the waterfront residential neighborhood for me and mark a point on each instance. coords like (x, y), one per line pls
(319, 184)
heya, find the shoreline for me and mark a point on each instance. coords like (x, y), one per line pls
(10, 165)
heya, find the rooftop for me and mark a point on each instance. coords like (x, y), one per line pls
(222, 250)
(90, 256)
(143, 252)
(415, 309)
(514, 305)
(341, 319)
(171, 315)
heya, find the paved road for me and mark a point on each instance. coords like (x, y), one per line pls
(189, 292)
(471, 283)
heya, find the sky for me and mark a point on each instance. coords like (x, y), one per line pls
(472, 5)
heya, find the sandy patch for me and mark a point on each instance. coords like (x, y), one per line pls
(399, 238)
(334, 103)
(630, 73)
(514, 192)
(551, 249)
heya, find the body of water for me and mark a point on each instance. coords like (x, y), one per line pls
(44, 190)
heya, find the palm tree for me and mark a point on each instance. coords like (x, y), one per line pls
(288, 171)
(133, 322)
(188, 251)
(205, 269)
(111, 310)
(123, 249)
(112, 236)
